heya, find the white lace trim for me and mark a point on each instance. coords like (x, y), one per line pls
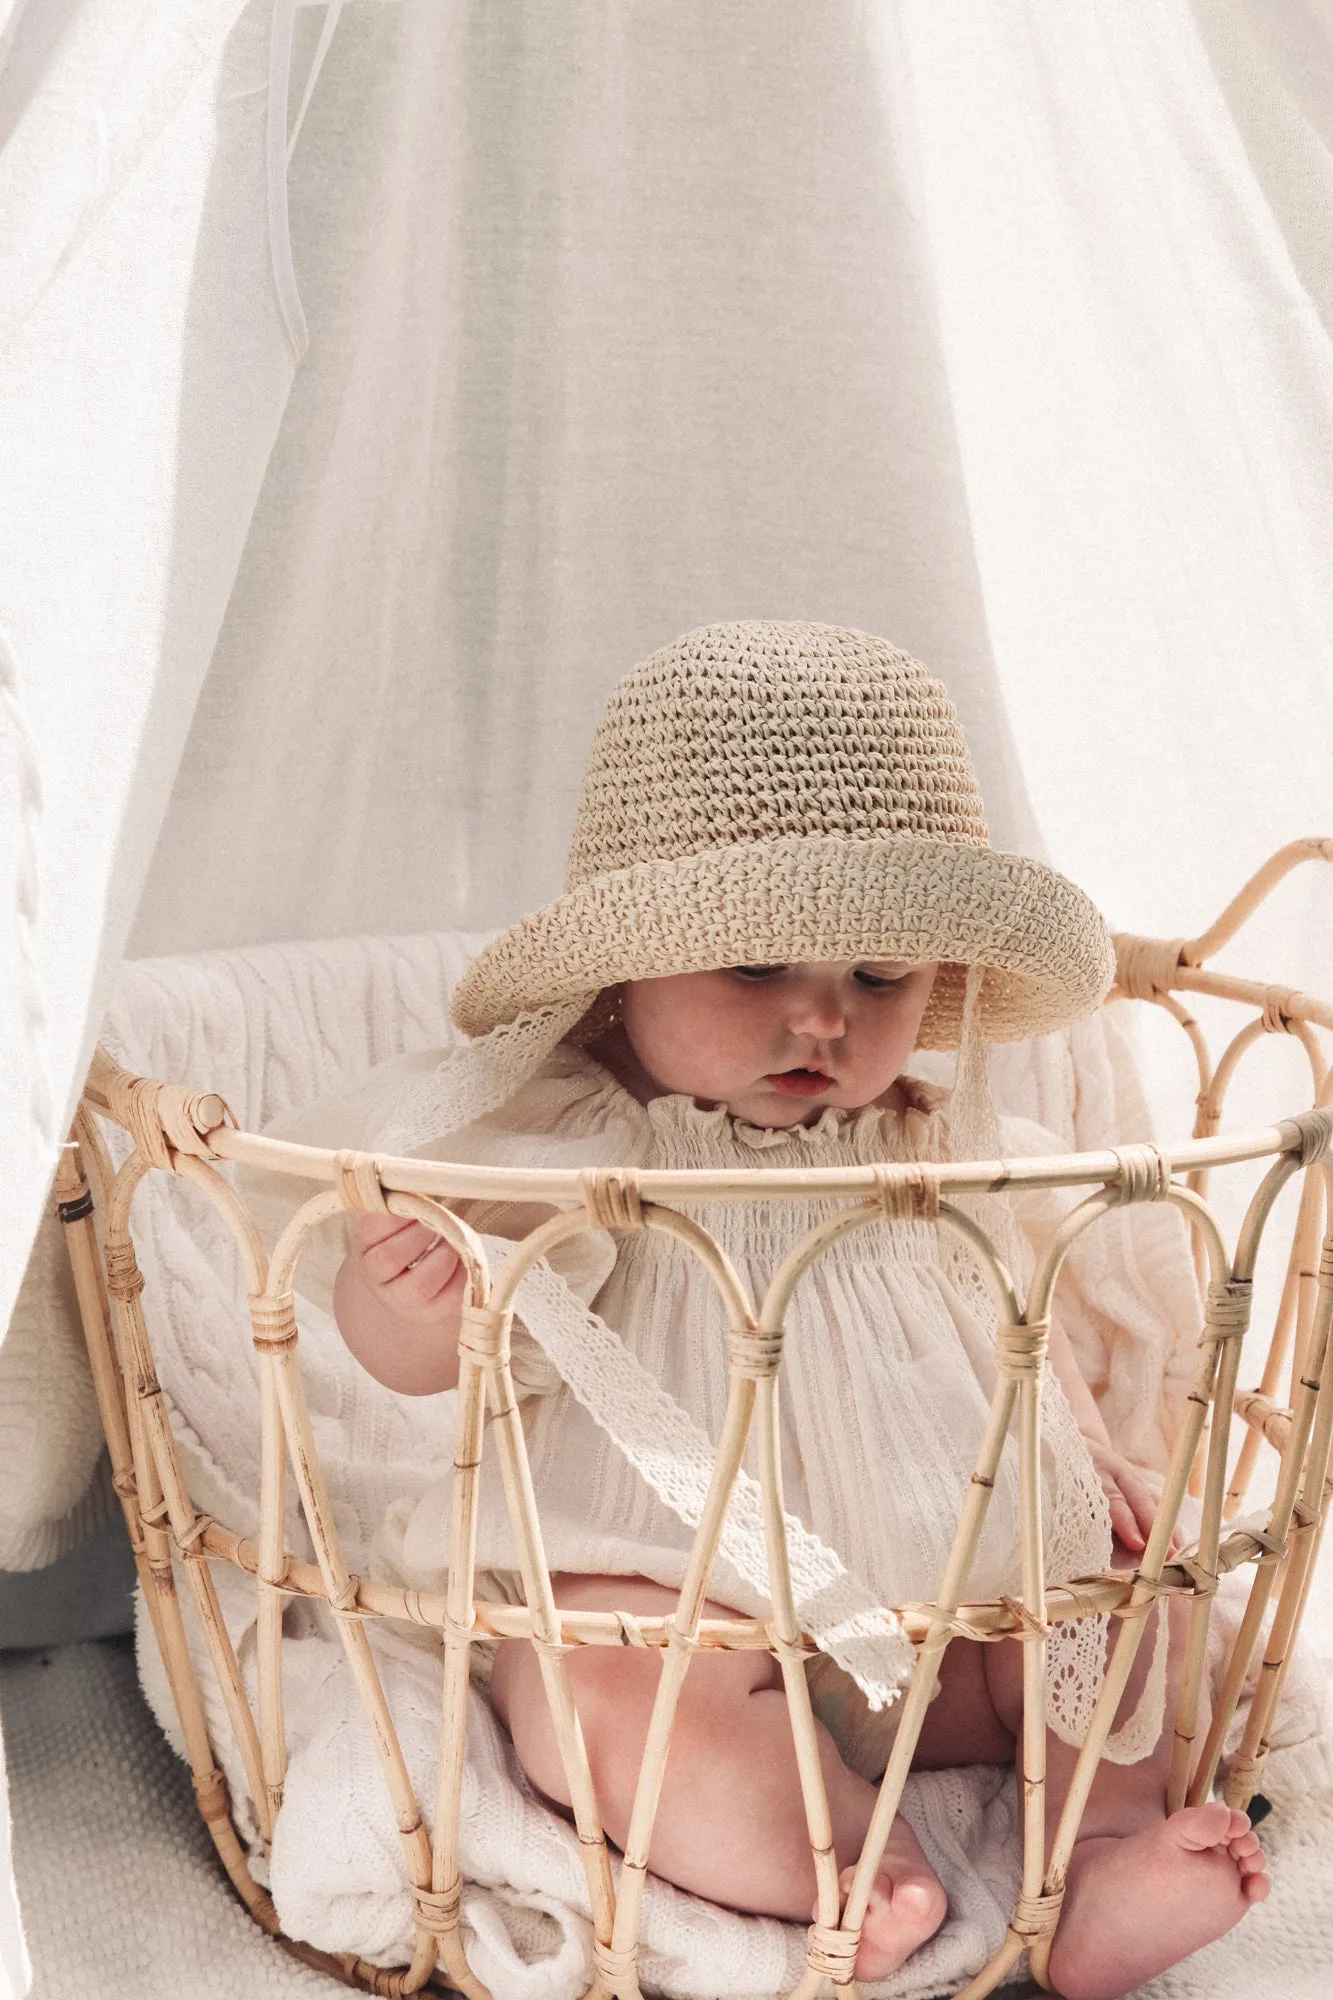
(476, 1077)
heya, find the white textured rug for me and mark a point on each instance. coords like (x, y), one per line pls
(122, 1899)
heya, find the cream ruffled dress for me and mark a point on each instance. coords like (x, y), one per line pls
(888, 1367)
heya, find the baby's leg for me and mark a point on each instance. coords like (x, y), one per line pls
(1143, 1890)
(730, 1823)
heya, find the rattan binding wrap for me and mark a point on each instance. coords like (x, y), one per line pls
(184, 1132)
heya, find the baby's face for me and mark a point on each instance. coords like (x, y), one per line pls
(778, 1043)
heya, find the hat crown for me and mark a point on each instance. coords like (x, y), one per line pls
(766, 731)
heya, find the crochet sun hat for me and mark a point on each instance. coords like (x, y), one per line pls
(770, 793)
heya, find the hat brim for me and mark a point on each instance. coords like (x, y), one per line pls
(1047, 955)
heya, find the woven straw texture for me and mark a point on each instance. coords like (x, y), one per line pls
(769, 792)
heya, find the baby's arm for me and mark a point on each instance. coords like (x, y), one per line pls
(1131, 1500)
(397, 1299)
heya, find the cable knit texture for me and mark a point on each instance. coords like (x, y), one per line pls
(96, 1797)
(781, 792)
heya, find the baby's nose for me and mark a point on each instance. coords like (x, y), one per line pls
(821, 1017)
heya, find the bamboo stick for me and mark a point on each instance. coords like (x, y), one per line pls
(1284, 1501)
(447, 1180)
(458, 1626)
(162, 1493)
(1300, 1266)
(617, 1977)
(1297, 1005)
(1147, 1579)
(985, 1622)
(967, 1535)
(790, 1647)
(150, 1546)
(1228, 1338)
(1247, 900)
(341, 1595)
(1308, 1515)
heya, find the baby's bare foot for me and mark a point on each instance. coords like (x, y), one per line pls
(1138, 1904)
(907, 1905)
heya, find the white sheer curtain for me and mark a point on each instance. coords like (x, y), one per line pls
(995, 330)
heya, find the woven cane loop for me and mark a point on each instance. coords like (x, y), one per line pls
(909, 1194)
(1031, 1627)
(1020, 1350)
(631, 1631)
(190, 1543)
(211, 1792)
(1205, 1581)
(484, 1333)
(165, 1118)
(1228, 1310)
(794, 1650)
(124, 1279)
(1036, 1916)
(436, 1910)
(1145, 968)
(1145, 1174)
(754, 1352)
(273, 1321)
(833, 1952)
(611, 1197)
(1243, 1773)
(357, 1179)
(548, 1649)
(1147, 1588)
(1313, 1133)
(614, 1966)
(1281, 1008)
(344, 1605)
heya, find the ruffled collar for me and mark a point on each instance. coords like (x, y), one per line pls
(674, 1114)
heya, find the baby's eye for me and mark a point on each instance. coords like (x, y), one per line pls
(878, 982)
(757, 972)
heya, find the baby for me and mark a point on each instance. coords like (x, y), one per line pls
(780, 879)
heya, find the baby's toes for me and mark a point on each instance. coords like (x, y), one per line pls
(1212, 1825)
(920, 1894)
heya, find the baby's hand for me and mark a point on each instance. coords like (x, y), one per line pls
(397, 1299)
(1133, 1506)
(404, 1265)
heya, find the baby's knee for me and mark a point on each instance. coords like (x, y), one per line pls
(613, 1697)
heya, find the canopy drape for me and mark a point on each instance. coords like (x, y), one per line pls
(334, 496)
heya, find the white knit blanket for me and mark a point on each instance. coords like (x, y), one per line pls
(273, 1029)
(98, 1802)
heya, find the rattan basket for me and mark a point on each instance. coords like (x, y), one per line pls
(181, 1131)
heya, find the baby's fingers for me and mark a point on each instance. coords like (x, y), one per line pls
(437, 1270)
(367, 1232)
(1124, 1521)
(1143, 1505)
(392, 1251)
